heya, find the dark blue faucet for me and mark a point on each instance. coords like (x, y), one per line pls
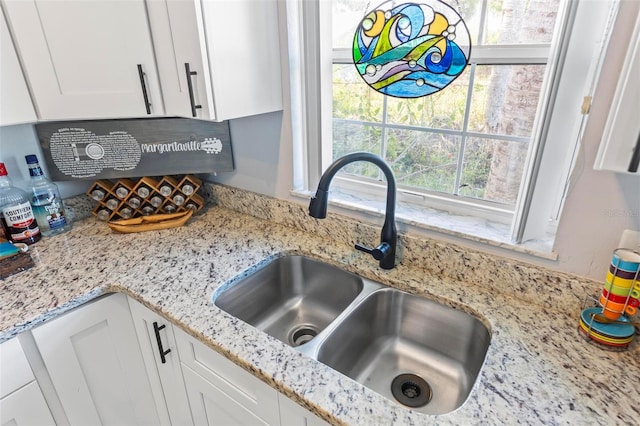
(385, 252)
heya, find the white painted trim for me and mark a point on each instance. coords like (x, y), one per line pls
(300, 145)
(623, 125)
(552, 150)
(309, 64)
(360, 188)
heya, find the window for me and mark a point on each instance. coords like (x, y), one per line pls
(475, 148)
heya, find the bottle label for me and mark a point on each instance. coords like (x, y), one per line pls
(20, 222)
(35, 171)
(49, 214)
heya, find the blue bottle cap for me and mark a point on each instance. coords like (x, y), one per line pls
(31, 159)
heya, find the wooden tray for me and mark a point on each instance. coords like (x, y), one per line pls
(150, 223)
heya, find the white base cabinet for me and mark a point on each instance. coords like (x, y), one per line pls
(217, 391)
(211, 406)
(220, 392)
(114, 361)
(21, 400)
(292, 414)
(94, 361)
(26, 406)
(156, 337)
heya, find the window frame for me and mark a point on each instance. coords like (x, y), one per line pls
(561, 100)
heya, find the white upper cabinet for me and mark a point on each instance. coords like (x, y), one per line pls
(86, 59)
(208, 59)
(232, 51)
(178, 37)
(15, 103)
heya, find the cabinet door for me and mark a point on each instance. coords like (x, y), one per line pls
(21, 400)
(212, 406)
(169, 390)
(243, 44)
(292, 414)
(177, 29)
(81, 58)
(26, 406)
(15, 102)
(15, 370)
(220, 392)
(94, 361)
(233, 48)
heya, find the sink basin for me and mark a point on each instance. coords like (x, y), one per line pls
(414, 351)
(293, 298)
(434, 351)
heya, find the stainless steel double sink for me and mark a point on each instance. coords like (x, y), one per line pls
(417, 352)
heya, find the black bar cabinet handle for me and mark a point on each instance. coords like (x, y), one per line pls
(163, 353)
(147, 104)
(190, 86)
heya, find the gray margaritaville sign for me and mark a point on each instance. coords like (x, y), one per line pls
(105, 149)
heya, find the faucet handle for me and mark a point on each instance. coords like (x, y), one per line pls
(378, 253)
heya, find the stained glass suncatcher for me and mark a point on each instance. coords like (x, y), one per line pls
(411, 49)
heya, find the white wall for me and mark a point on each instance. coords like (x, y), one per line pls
(20, 140)
(258, 145)
(600, 204)
(262, 147)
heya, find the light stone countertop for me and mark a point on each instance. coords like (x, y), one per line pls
(538, 369)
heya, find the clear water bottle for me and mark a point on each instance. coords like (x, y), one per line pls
(16, 214)
(46, 201)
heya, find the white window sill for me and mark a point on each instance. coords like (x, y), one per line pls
(476, 229)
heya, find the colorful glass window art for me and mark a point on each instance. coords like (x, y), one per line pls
(413, 49)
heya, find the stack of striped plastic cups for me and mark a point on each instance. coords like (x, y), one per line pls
(621, 292)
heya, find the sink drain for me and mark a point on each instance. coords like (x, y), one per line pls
(302, 334)
(411, 390)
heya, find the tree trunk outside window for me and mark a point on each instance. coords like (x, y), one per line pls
(513, 94)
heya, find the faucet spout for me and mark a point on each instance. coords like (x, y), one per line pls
(385, 252)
